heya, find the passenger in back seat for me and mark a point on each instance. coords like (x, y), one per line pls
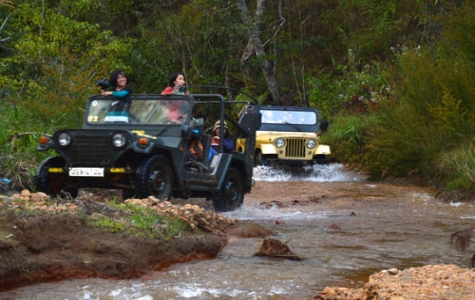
(228, 142)
(196, 146)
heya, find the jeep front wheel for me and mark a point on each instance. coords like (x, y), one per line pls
(231, 194)
(154, 178)
(261, 159)
(53, 183)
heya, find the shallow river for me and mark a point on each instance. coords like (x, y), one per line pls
(344, 227)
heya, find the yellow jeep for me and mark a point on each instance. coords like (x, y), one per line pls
(290, 136)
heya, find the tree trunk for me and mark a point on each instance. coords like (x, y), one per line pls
(255, 47)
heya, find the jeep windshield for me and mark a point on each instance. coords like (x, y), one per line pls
(138, 109)
(289, 120)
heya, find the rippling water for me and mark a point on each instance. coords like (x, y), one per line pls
(344, 227)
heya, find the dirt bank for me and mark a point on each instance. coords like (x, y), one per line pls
(56, 243)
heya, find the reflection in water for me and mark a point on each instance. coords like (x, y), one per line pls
(344, 227)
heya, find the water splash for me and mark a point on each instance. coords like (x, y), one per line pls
(251, 212)
(315, 173)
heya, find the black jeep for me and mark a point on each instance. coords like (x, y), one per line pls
(141, 145)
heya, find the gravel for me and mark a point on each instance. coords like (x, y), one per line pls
(431, 282)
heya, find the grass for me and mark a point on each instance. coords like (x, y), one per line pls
(19, 135)
(141, 221)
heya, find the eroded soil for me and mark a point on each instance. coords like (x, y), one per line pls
(58, 245)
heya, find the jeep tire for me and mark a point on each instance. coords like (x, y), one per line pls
(53, 184)
(154, 178)
(231, 194)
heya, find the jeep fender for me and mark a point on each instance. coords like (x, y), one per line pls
(323, 149)
(268, 149)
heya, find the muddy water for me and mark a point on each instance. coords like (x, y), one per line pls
(344, 227)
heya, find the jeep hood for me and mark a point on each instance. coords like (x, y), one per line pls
(284, 134)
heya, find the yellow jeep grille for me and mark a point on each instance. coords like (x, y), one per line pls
(295, 148)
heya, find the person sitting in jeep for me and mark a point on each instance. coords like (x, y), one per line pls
(228, 142)
(196, 147)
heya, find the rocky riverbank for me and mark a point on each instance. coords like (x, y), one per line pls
(47, 240)
(433, 282)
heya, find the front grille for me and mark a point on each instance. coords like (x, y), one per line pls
(91, 150)
(295, 148)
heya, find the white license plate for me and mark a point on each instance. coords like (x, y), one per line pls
(86, 172)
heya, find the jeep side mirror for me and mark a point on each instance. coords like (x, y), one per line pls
(323, 125)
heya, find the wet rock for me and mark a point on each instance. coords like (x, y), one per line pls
(275, 248)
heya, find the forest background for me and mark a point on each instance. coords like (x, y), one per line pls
(394, 78)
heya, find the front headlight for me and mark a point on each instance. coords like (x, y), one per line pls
(118, 140)
(280, 143)
(64, 139)
(311, 143)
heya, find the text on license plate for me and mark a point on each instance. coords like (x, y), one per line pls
(87, 172)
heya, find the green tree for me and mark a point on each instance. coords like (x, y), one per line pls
(56, 60)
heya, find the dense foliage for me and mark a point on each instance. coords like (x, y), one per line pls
(394, 78)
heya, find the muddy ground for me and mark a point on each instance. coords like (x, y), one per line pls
(57, 244)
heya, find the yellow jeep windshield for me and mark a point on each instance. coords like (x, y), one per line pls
(289, 117)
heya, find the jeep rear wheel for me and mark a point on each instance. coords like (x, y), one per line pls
(53, 183)
(231, 194)
(154, 178)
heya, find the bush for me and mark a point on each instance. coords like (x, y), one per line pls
(457, 167)
(19, 135)
(347, 136)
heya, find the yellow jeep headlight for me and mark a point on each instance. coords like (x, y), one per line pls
(311, 143)
(280, 143)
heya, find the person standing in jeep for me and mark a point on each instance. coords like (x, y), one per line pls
(118, 111)
(177, 83)
(118, 81)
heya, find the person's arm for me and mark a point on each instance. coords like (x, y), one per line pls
(167, 91)
(120, 94)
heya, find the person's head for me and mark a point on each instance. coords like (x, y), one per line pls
(218, 126)
(118, 79)
(177, 79)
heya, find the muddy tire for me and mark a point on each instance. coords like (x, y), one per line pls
(53, 183)
(231, 194)
(154, 177)
(322, 159)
